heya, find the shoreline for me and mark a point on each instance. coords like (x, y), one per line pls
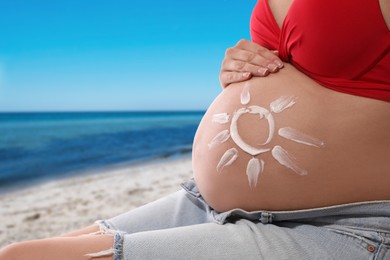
(31, 183)
(59, 206)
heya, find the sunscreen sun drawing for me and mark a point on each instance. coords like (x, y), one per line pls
(255, 166)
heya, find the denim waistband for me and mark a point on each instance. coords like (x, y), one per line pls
(378, 212)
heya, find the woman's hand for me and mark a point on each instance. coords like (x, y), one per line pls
(247, 59)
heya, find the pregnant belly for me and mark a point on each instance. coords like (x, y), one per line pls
(283, 142)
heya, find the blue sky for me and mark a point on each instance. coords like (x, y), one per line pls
(88, 55)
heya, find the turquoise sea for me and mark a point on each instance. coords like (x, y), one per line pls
(40, 146)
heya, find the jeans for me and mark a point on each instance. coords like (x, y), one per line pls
(183, 226)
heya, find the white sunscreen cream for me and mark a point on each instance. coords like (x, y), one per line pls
(227, 159)
(283, 158)
(221, 118)
(236, 136)
(245, 95)
(255, 166)
(282, 103)
(220, 138)
(253, 170)
(297, 136)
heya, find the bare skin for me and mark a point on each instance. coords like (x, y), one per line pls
(247, 59)
(227, 191)
(241, 62)
(279, 9)
(71, 246)
(352, 166)
(83, 231)
(385, 7)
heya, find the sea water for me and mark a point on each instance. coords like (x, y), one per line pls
(38, 146)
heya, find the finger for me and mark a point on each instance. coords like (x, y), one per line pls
(254, 48)
(246, 56)
(230, 65)
(272, 65)
(272, 61)
(228, 77)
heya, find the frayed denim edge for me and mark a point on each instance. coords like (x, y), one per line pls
(118, 246)
(117, 250)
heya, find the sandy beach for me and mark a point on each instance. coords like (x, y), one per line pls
(60, 206)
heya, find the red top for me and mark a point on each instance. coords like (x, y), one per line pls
(346, 48)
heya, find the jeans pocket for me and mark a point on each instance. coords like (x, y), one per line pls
(362, 238)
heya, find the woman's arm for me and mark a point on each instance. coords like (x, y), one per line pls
(247, 59)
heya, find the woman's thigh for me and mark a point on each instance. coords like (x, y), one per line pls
(242, 240)
(175, 210)
(92, 229)
(72, 248)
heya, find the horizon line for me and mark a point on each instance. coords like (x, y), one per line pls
(107, 111)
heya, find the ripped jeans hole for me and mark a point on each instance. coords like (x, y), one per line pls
(102, 253)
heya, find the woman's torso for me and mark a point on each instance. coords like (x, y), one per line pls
(348, 160)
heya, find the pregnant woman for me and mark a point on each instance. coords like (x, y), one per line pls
(291, 160)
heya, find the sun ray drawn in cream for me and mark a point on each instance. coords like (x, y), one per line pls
(283, 158)
(219, 138)
(221, 118)
(297, 136)
(227, 159)
(256, 166)
(245, 95)
(282, 103)
(253, 170)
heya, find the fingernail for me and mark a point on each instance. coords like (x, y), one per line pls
(279, 64)
(263, 71)
(272, 67)
(246, 74)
